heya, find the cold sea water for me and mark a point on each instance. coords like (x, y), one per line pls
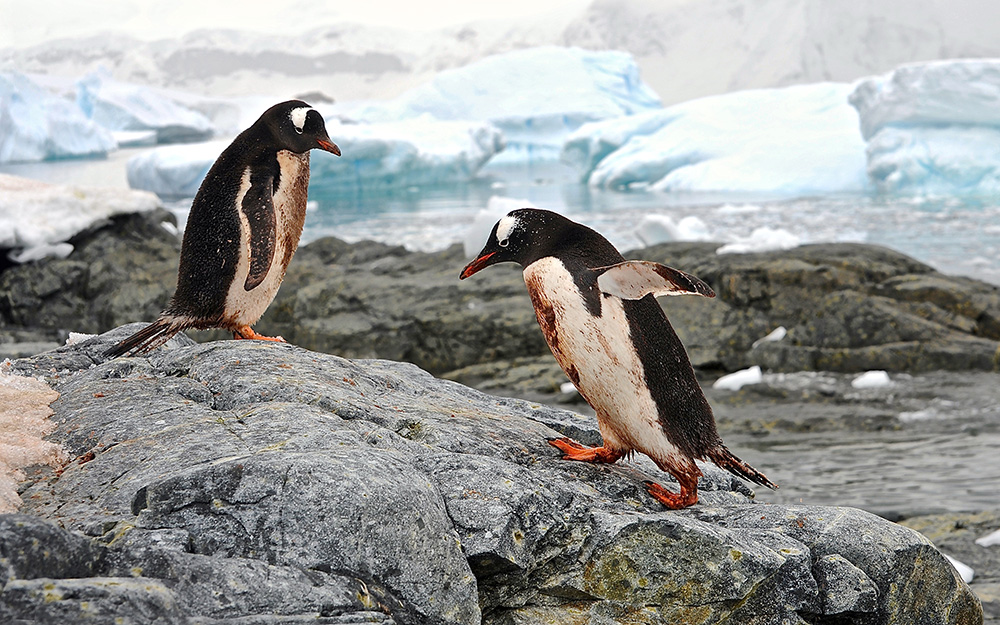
(921, 445)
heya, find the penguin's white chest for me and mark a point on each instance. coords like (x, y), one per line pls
(598, 355)
(246, 307)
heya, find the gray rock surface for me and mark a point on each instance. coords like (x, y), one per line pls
(245, 482)
(847, 307)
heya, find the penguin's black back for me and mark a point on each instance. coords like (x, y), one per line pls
(210, 249)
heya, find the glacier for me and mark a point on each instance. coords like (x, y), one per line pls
(37, 219)
(933, 128)
(413, 152)
(125, 107)
(789, 141)
(36, 125)
(535, 96)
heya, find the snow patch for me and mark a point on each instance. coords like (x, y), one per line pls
(872, 379)
(655, 229)
(737, 380)
(989, 540)
(762, 239)
(965, 571)
(773, 337)
(37, 218)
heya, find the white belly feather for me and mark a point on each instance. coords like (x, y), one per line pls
(598, 355)
(246, 307)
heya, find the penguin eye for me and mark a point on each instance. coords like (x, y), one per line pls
(504, 242)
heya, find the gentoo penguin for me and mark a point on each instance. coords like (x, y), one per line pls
(601, 320)
(243, 229)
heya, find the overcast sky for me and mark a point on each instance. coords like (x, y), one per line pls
(27, 22)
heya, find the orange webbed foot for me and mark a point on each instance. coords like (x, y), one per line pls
(674, 501)
(246, 332)
(573, 450)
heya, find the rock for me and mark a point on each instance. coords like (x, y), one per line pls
(847, 307)
(956, 534)
(262, 483)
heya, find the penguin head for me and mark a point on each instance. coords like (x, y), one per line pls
(298, 127)
(523, 236)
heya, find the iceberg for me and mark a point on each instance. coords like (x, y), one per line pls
(790, 141)
(409, 153)
(933, 128)
(37, 219)
(121, 107)
(536, 96)
(36, 125)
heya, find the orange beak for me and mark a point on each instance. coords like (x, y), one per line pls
(329, 146)
(476, 265)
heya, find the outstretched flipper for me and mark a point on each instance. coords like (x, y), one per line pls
(635, 279)
(148, 338)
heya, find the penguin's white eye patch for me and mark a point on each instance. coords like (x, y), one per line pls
(504, 227)
(298, 117)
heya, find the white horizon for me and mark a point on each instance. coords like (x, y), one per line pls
(26, 24)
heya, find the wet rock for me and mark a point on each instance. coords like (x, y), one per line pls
(254, 482)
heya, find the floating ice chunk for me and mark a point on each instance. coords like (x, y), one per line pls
(965, 571)
(567, 387)
(933, 128)
(401, 154)
(737, 380)
(738, 209)
(872, 379)
(514, 92)
(775, 335)
(124, 107)
(762, 239)
(795, 140)
(36, 125)
(34, 214)
(482, 224)
(989, 540)
(918, 415)
(655, 229)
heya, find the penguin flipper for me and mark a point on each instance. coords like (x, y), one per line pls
(635, 279)
(258, 208)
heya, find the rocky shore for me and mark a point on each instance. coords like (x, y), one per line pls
(249, 483)
(244, 482)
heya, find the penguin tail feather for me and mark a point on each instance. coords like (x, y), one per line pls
(149, 338)
(725, 459)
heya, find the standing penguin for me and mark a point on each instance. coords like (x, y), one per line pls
(601, 320)
(243, 229)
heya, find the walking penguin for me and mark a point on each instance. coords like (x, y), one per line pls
(243, 229)
(602, 322)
